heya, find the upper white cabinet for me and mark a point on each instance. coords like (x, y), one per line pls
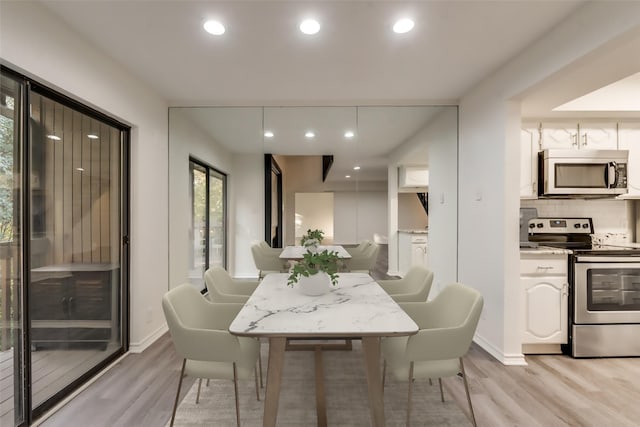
(558, 135)
(413, 178)
(530, 140)
(598, 135)
(629, 139)
(587, 135)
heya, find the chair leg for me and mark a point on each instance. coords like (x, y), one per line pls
(430, 382)
(410, 389)
(175, 403)
(441, 392)
(466, 388)
(255, 375)
(208, 382)
(198, 394)
(235, 389)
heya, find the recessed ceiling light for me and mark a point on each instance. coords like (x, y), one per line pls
(92, 136)
(214, 27)
(403, 26)
(348, 134)
(268, 134)
(347, 176)
(309, 134)
(310, 26)
(356, 168)
(54, 137)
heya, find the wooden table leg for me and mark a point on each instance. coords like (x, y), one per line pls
(274, 379)
(371, 349)
(321, 406)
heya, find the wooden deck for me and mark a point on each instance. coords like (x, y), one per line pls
(52, 370)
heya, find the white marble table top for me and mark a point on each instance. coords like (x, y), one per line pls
(357, 306)
(296, 252)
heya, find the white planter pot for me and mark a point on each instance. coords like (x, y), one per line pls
(317, 284)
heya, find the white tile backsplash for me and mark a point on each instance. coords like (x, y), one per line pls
(611, 218)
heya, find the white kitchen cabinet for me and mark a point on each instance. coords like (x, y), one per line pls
(559, 135)
(543, 280)
(529, 143)
(629, 139)
(412, 250)
(586, 135)
(598, 135)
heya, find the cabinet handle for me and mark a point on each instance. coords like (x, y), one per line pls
(543, 267)
(71, 304)
(565, 288)
(65, 305)
(584, 137)
(574, 137)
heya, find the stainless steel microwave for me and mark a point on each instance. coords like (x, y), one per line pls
(582, 172)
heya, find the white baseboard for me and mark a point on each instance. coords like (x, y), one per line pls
(139, 347)
(504, 358)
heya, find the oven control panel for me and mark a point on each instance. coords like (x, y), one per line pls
(561, 226)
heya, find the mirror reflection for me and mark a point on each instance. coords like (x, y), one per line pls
(383, 173)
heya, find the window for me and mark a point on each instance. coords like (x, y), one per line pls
(208, 230)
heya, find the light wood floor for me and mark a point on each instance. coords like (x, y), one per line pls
(551, 391)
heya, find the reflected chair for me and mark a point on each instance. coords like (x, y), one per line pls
(447, 325)
(200, 333)
(358, 250)
(267, 259)
(413, 287)
(364, 261)
(221, 287)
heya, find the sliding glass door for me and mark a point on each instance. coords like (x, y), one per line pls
(63, 246)
(12, 374)
(208, 192)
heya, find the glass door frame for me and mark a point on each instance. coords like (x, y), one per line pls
(209, 171)
(29, 85)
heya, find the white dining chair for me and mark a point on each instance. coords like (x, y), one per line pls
(221, 287)
(447, 325)
(200, 332)
(267, 259)
(413, 287)
(365, 261)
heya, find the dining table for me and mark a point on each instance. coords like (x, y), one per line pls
(355, 308)
(293, 253)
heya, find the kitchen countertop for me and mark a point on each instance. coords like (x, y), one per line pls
(417, 231)
(545, 250)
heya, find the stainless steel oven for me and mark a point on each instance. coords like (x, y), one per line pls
(605, 319)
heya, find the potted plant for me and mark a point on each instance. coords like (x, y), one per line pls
(315, 271)
(312, 239)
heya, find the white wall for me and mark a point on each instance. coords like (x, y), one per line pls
(358, 215)
(437, 143)
(411, 214)
(185, 140)
(247, 199)
(316, 212)
(35, 42)
(489, 171)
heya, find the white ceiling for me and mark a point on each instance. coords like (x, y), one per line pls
(263, 60)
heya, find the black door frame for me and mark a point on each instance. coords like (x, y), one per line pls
(271, 166)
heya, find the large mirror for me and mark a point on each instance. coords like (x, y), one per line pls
(356, 172)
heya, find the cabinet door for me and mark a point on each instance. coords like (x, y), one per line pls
(629, 138)
(49, 299)
(559, 135)
(90, 297)
(598, 136)
(529, 139)
(418, 254)
(545, 310)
